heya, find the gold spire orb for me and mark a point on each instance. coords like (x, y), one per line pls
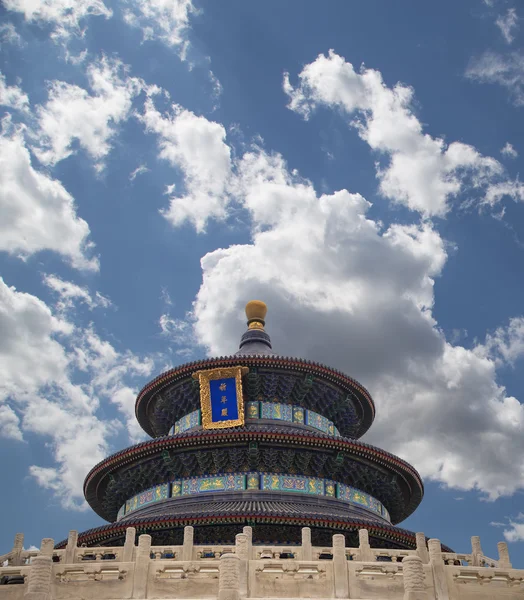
(256, 311)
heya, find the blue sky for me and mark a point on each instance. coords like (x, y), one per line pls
(355, 165)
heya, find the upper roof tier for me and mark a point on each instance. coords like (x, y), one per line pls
(271, 378)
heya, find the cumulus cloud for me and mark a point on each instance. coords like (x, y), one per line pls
(66, 17)
(73, 114)
(12, 96)
(422, 172)
(344, 290)
(9, 424)
(506, 70)
(165, 20)
(41, 357)
(37, 211)
(509, 151)
(197, 147)
(508, 24)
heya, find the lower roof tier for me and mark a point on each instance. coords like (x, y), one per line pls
(250, 486)
(274, 522)
(259, 449)
(292, 381)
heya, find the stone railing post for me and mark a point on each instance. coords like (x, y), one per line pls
(340, 568)
(72, 542)
(504, 562)
(39, 584)
(437, 568)
(365, 554)
(476, 551)
(248, 530)
(129, 545)
(16, 552)
(422, 549)
(142, 561)
(47, 546)
(241, 550)
(187, 549)
(306, 552)
(229, 577)
(414, 578)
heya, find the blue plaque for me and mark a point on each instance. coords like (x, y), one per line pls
(221, 397)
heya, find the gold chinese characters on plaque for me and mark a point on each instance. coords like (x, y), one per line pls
(221, 398)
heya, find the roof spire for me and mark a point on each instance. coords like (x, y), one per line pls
(255, 340)
(256, 311)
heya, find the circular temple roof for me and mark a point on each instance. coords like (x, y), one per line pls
(388, 478)
(272, 522)
(336, 396)
(264, 447)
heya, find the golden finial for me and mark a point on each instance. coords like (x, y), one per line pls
(255, 312)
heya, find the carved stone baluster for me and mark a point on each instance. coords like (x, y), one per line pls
(229, 578)
(39, 584)
(476, 551)
(142, 567)
(504, 562)
(241, 550)
(365, 554)
(414, 578)
(248, 531)
(422, 548)
(187, 549)
(437, 567)
(16, 552)
(340, 567)
(129, 544)
(306, 550)
(72, 543)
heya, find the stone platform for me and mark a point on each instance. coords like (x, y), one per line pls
(245, 571)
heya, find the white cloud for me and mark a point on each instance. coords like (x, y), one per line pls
(165, 20)
(506, 344)
(506, 70)
(217, 89)
(180, 333)
(12, 96)
(423, 172)
(197, 147)
(70, 293)
(73, 114)
(165, 297)
(109, 370)
(508, 24)
(515, 533)
(41, 356)
(9, 424)
(37, 212)
(509, 151)
(140, 170)
(505, 189)
(9, 35)
(64, 16)
(498, 524)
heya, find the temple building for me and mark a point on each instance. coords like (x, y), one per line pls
(254, 484)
